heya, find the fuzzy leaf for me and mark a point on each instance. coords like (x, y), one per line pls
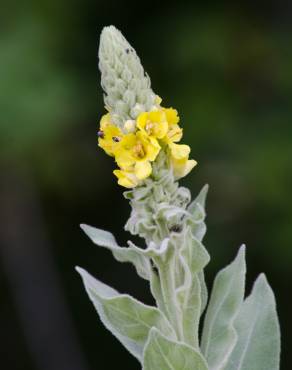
(190, 306)
(131, 254)
(163, 257)
(258, 344)
(219, 336)
(127, 319)
(200, 199)
(193, 258)
(164, 354)
(193, 251)
(197, 214)
(204, 291)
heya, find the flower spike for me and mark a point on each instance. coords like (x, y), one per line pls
(136, 128)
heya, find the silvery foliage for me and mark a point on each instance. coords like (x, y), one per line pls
(127, 90)
(238, 333)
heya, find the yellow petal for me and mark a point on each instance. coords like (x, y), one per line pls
(141, 120)
(174, 134)
(156, 116)
(150, 145)
(153, 123)
(143, 170)
(153, 150)
(105, 121)
(126, 179)
(179, 151)
(160, 124)
(171, 116)
(191, 163)
(111, 134)
(124, 159)
(182, 167)
(124, 151)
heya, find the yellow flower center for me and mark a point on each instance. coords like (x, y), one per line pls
(139, 150)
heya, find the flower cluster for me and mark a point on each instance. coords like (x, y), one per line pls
(136, 145)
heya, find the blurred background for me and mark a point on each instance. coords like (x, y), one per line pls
(226, 67)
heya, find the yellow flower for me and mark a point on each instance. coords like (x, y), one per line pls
(126, 178)
(136, 151)
(109, 135)
(171, 116)
(181, 167)
(136, 148)
(105, 121)
(153, 123)
(180, 161)
(179, 151)
(174, 133)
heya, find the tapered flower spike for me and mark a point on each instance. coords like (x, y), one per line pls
(143, 137)
(126, 86)
(136, 127)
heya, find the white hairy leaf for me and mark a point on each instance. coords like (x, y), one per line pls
(200, 199)
(197, 212)
(195, 254)
(127, 319)
(204, 291)
(162, 353)
(219, 336)
(163, 256)
(193, 257)
(131, 254)
(258, 344)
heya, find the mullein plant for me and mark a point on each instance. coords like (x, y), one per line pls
(144, 138)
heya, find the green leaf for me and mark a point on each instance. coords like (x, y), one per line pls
(131, 254)
(219, 336)
(257, 326)
(164, 354)
(127, 319)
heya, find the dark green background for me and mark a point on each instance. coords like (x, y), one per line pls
(226, 67)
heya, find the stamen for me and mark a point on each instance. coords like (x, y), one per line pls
(139, 150)
(149, 127)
